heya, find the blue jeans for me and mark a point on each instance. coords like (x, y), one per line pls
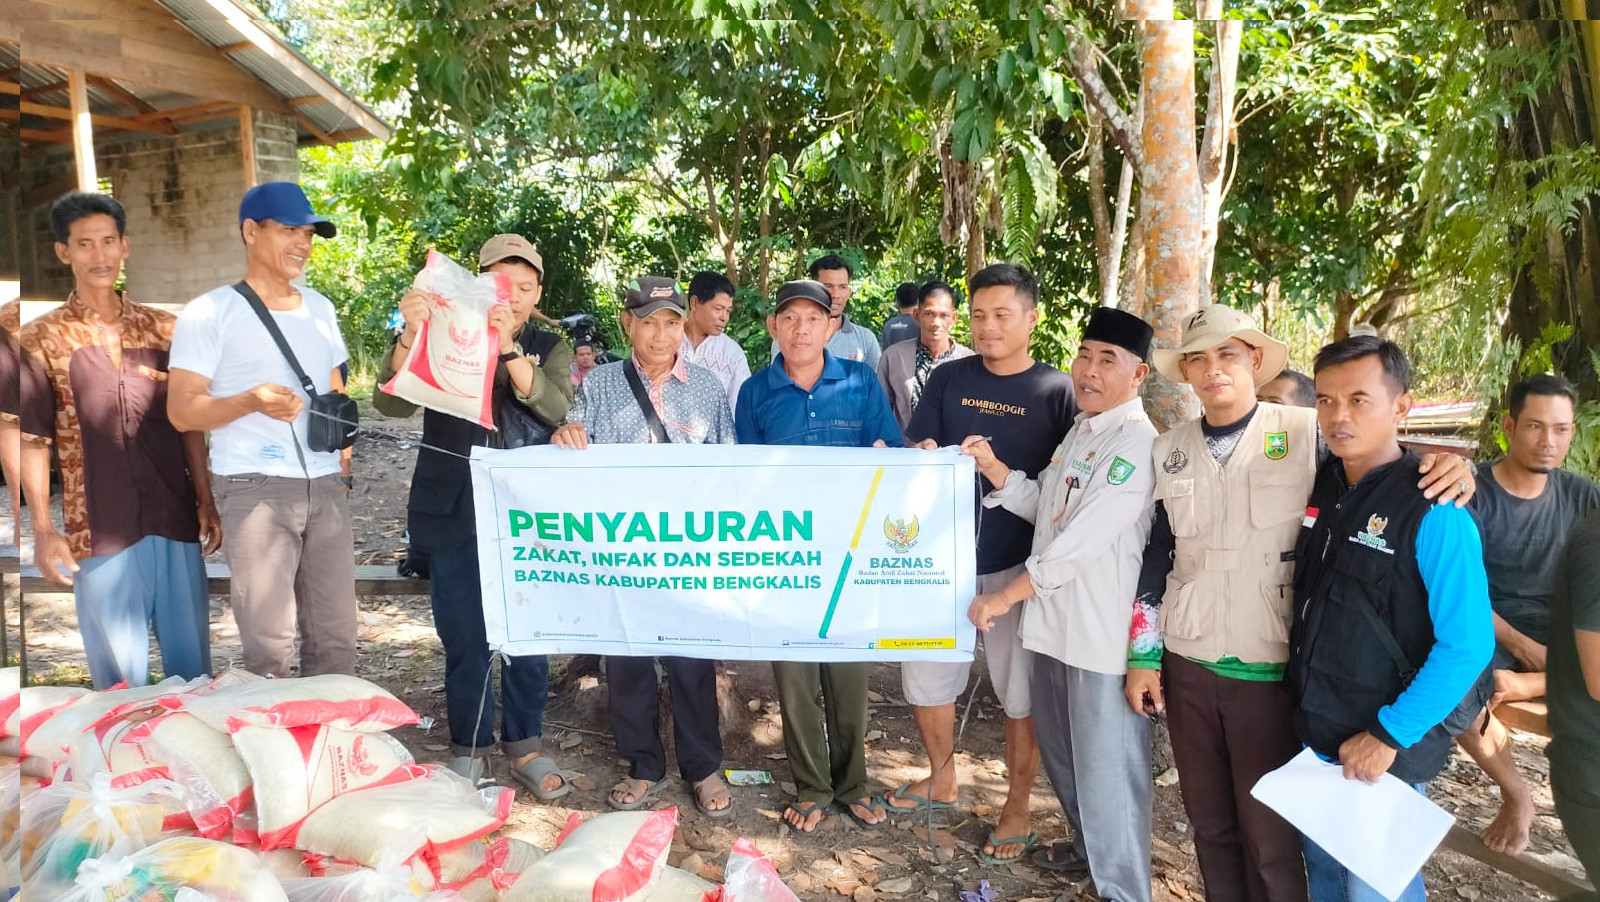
(1330, 882)
(119, 597)
(457, 597)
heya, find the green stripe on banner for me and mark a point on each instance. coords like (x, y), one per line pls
(833, 603)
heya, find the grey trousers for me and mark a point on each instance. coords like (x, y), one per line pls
(291, 551)
(1097, 753)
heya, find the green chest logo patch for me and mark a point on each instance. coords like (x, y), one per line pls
(1119, 471)
(1277, 445)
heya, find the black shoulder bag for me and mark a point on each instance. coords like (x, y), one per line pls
(658, 432)
(334, 417)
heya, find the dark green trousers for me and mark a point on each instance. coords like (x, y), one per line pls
(825, 728)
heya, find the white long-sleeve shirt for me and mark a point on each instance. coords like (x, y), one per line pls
(1090, 510)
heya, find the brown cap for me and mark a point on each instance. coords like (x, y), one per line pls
(500, 247)
(647, 294)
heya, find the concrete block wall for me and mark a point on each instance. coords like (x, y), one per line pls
(182, 196)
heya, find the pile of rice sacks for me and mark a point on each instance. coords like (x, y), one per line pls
(244, 789)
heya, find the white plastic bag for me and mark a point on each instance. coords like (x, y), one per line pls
(203, 761)
(66, 824)
(295, 771)
(358, 826)
(333, 699)
(614, 857)
(676, 885)
(50, 727)
(10, 712)
(184, 869)
(392, 877)
(750, 877)
(450, 367)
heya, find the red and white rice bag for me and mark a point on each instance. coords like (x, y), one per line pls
(615, 857)
(334, 700)
(677, 885)
(361, 826)
(216, 783)
(183, 869)
(450, 367)
(53, 721)
(11, 712)
(295, 771)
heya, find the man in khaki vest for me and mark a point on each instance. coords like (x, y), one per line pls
(1215, 589)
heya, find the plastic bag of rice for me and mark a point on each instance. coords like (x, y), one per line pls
(204, 762)
(35, 705)
(450, 367)
(183, 869)
(10, 830)
(750, 877)
(613, 858)
(676, 885)
(11, 712)
(294, 771)
(332, 699)
(49, 727)
(357, 826)
(66, 824)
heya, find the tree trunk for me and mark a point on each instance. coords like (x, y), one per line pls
(1219, 135)
(1170, 189)
(764, 222)
(1105, 263)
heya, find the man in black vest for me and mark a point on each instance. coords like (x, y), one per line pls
(532, 394)
(1391, 618)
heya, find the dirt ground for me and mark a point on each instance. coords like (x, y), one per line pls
(915, 858)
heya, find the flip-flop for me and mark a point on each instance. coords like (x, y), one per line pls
(1071, 863)
(871, 803)
(805, 810)
(640, 799)
(700, 804)
(996, 842)
(904, 794)
(532, 775)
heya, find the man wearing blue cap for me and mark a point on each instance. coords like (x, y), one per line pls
(284, 507)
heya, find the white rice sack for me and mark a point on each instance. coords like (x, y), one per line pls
(66, 824)
(285, 864)
(450, 367)
(613, 858)
(332, 699)
(10, 712)
(49, 730)
(35, 705)
(357, 826)
(184, 869)
(677, 885)
(295, 771)
(216, 783)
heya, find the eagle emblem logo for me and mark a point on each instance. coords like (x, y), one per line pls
(900, 534)
(464, 339)
(1376, 524)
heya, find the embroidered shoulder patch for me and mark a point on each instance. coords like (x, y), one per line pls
(1277, 445)
(1119, 471)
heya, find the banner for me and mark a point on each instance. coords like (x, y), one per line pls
(736, 552)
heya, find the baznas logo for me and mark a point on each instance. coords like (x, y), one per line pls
(1376, 525)
(900, 534)
(1277, 446)
(1372, 536)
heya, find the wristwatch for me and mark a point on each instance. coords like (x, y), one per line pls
(509, 356)
(349, 481)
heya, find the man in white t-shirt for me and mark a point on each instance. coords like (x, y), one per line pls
(704, 341)
(284, 507)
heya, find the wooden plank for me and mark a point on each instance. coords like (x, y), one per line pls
(10, 87)
(1532, 716)
(44, 89)
(58, 44)
(247, 144)
(38, 137)
(371, 579)
(129, 98)
(211, 109)
(227, 49)
(312, 127)
(1560, 883)
(298, 102)
(82, 132)
(143, 124)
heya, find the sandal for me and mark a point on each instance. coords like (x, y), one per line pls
(995, 842)
(905, 794)
(709, 789)
(871, 803)
(804, 810)
(1060, 858)
(629, 785)
(533, 774)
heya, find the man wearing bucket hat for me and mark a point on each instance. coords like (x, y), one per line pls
(1214, 596)
(1090, 511)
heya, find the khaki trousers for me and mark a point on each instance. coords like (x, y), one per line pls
(290, 549)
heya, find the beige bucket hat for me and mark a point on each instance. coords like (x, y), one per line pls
(1213, 325)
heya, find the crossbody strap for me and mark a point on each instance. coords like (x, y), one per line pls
(658, 432)
(271, 324)
(1389, 642)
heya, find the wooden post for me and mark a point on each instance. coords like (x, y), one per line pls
(82, 131)
(247, 144)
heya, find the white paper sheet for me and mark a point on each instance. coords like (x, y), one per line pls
(1382, 833)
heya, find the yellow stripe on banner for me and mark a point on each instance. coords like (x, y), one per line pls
(866, 508)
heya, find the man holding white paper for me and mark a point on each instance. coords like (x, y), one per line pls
(1391, 615)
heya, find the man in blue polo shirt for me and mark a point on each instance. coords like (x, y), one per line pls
(810, 397)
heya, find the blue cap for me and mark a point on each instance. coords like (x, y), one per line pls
(283, 202)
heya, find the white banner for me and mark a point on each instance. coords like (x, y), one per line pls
(737, 552)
